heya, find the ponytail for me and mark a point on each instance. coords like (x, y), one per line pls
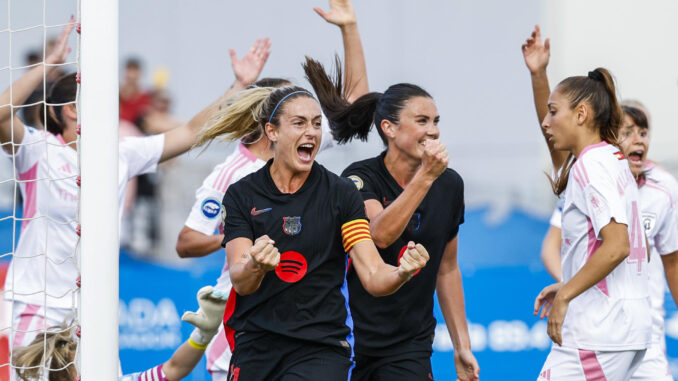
(598, 90)
(53, 349)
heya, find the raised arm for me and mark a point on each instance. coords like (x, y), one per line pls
(387, 224)
(247, 70)
(10, 124)
(537, 53)
(342, 14)
(451, 298)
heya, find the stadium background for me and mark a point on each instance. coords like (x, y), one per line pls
(467, 55)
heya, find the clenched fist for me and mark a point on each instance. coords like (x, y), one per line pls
(413, 259)
(265, 257)
(435, 159)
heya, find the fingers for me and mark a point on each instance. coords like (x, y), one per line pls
(422, 251)
(554, 331)
(192, 318)
(415, 257)
(547, 44)
(204, 291)
(322, 13)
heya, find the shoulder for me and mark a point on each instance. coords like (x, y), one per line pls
(605, 161)
(451, 177)
(363, 166)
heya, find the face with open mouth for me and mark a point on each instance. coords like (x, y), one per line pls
(418, 122)
(297, 137)
(634, 142)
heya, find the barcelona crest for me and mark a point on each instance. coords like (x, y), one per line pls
(292, 225)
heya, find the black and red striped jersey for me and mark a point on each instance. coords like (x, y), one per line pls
(305, 296)
(403, 322)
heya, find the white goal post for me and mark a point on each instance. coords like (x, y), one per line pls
(98, 147)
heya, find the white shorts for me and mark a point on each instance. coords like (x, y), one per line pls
(570, 364)
(654, 366)
(218, 354)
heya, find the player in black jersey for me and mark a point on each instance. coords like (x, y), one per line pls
(288, 228)
(409, 195)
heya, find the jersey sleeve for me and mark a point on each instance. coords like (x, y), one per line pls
(460, 210)
(557, 216)
(666, 239)
(204, 214)
(141, 154)
(236, 223)
(354, 225)
(30, 150)
(362, 182)
(602, 200)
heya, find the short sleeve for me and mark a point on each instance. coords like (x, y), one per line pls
(30, 150)
(459, 213)
(666, 239)
(205, 213)
(236, 223)
(141, 154)
(363, 183)
(602, 199)
(557, 216)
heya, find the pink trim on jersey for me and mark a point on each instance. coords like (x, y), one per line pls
(594, 244)
(228, 169)
(60, 138)
(247, 153)
(592, 146)
(25, 319)
(654, 185)
(31, 188)
(576, 178)
(216, 350)
(592, 369)
(230, 176)
(153, 374)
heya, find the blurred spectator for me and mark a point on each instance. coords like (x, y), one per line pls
(158, 118)
(134, 101)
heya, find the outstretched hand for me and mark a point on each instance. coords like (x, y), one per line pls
(248, 68)
(466, 365)
(536, 52)
(212, 304)
(341, 13)
(61, 49)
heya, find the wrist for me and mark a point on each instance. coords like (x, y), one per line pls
(349, 26)
(239, 85)
(201, 338)
(423, 177)
(539, 73)
(404, 275)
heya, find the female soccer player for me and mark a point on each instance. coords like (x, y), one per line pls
(202, 234)
(57, 347)
(657, 191)
(598, 316)
(43, 286)
(409, 194)
(288, 228)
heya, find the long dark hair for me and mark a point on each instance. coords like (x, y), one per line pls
(598, 90)
(63, 90)
(348, 121)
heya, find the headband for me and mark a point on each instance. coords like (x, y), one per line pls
(283, 99)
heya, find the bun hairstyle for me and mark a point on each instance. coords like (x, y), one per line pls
(64, 90)
(248, 111)
(55, 349)
(354, 121)
(597, 89)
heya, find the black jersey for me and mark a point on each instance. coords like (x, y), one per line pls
(404, 321)
(304, 297)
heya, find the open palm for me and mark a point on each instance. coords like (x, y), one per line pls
(248, 68)
(536, 52)
(341, 13)
(61, 49)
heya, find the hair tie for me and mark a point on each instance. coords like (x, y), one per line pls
(596, 76)
(283, 99)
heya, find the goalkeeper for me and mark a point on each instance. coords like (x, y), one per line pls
(60, 347)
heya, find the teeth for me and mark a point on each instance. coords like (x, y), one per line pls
(306, 146)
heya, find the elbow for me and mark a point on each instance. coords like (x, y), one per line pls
(378, 292)
(382, 241)
(181, 247)
(243, 290)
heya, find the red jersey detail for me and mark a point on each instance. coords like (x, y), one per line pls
(619, 155)
(230, 308)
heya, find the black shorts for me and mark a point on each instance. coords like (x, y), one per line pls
(277, 358)
(414, 366)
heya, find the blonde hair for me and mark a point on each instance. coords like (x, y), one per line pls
(240, 117)
(53, 349)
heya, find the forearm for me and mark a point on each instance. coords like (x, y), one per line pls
(354, 67)
(670, 262)
(451, 298)
(191, 243)
(182, 362)
(600, 264)
(541, 92)
(22, 88)
(550, 253)
(181, 139)
(246, 277)
(389, 225)
(383, 280)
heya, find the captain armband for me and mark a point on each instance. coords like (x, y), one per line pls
(355, 231)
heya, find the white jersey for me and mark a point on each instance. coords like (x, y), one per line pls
(45, 257)
(557, 216)
(205, 213)
(659, 217)
(612, 315)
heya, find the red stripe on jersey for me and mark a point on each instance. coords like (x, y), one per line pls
(228, 313)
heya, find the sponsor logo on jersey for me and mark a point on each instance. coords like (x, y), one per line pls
(357, 181)
(400, 256)
(648, 222)
(256, 212)
(619, 155)
(415, 222)
(292, 225)
(292, 267)
(210, 208)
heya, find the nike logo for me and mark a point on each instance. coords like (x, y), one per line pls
(256, 212)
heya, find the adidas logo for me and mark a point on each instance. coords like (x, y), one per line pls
(546, 375)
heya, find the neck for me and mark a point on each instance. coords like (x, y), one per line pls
(401, 166)
(285, 179)
(585, 142)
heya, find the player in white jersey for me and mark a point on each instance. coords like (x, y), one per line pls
(42, 278)
(202, 234)
(57, 347)
(598, 315)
